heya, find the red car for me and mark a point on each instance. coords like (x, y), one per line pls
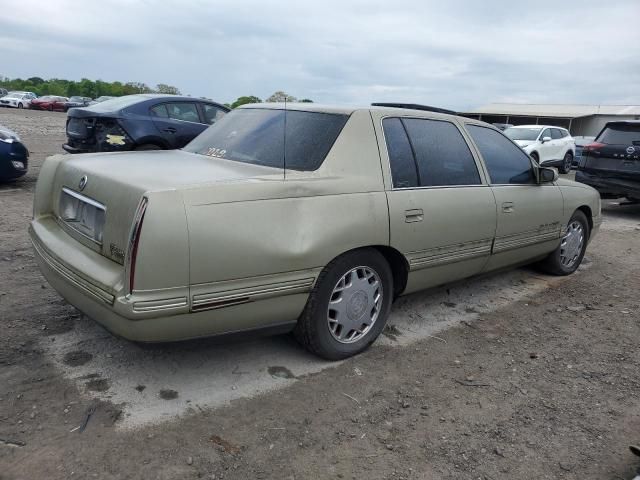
(51, 103)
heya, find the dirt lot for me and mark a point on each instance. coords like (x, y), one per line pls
(515, 375)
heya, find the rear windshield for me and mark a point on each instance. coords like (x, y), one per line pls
(621, 134)
(115, 104)
(522, 133)
(257, 136)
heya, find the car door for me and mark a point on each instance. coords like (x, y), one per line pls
(545, 149)
(559, 142)
(177, 122)
(529, 214)
(442, 213)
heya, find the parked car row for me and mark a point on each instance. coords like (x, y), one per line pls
(57, 103)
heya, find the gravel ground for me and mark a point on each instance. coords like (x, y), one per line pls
(515, 375)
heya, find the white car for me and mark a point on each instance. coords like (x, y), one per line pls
(17, 99)
(548, 145)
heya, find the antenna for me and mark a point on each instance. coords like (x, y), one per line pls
(284, 143)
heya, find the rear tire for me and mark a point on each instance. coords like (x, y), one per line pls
(20, 105)
(566, 163)
(342, 316)
(148, 146)
(566, 259)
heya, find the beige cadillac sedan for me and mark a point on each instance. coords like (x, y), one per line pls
(312, 219)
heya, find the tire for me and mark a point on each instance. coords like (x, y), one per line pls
(50, 108)
(535, 156)
(557, 262)
(320, 326)
(20, 105)
(148, 146)
(567, 161)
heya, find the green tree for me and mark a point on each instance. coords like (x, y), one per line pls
(281, 96)
(306, 100)
(244, 100)
(167, 89)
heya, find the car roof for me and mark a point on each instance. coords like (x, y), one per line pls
(348, 110)
(537, 126)
(170, 97)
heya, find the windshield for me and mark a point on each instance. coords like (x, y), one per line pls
(257, 136)
(522, 133)
(75, 99)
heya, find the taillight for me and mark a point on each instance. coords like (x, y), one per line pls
(593, 146)
(134, 239)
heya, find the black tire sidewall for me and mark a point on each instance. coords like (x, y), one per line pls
(566, 162)
(329, 347)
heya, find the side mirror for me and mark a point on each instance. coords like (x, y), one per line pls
(546, 139)
(547, 175)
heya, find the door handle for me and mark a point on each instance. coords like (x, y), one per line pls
(170, 130)
(507, 207)
(414, 215)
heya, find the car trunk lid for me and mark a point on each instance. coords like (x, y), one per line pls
(115, 184)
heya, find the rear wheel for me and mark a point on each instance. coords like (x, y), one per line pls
(348, 306)
(148, 146)
(20, 105)
(567, 257)
(566, 163)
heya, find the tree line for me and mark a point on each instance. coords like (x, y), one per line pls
(82, 88)
(98, 88)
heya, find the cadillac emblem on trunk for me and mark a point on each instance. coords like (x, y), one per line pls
(83, 182)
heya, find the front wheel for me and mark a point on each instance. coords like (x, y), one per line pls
(566, 163)
(348, 306)
(20, 105)
(566, 259)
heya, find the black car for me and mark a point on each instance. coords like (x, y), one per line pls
(14, 155)
(139, 122)
(611, 164)
(75, 102)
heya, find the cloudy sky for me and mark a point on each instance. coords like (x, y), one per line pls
(455, 54)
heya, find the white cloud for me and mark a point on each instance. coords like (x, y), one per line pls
(456, 54)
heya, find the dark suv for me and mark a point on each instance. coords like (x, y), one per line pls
(139, 122)
(611, 164)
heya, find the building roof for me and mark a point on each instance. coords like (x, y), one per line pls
(555, 110)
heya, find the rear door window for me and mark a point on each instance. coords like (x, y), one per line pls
(187, 112)
(556, 134)
(621, 134)
(159, 111)
(212, 113)
(506, 162)
(441, 152)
